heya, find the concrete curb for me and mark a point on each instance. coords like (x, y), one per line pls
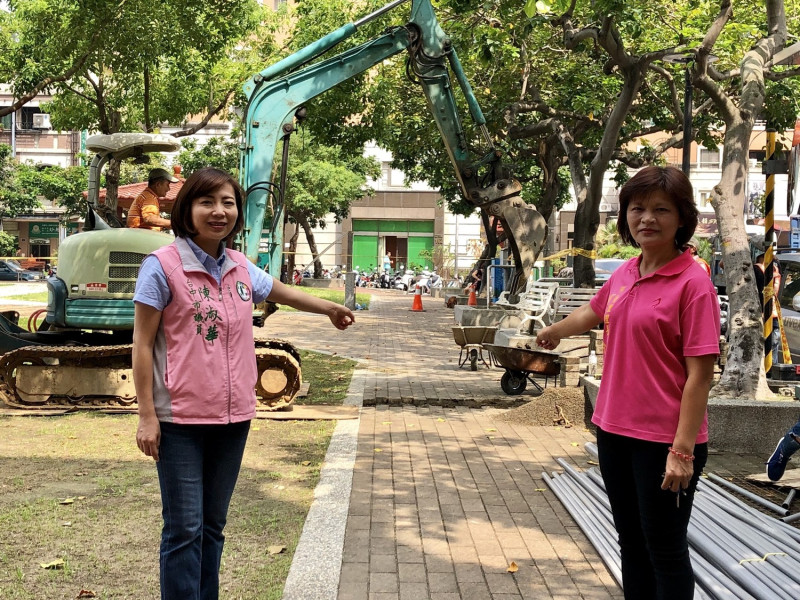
(317, 563)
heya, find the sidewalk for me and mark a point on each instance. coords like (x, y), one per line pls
(426, 497)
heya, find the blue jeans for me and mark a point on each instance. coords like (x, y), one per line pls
(197, 469)
(650, 525)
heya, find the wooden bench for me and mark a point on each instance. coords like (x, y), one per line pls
(568, 299)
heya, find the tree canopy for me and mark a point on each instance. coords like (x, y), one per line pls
(133, 65)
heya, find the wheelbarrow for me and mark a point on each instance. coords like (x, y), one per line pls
(471, 340)
(521, 365)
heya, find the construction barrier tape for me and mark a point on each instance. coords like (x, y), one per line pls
(572, 252)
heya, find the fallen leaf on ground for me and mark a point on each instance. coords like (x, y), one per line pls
(574, 444)
(441, 420)
(67, 501)
(378, 450)
(491, 429)
(256, 428)
(86, 594)
(276, 549)
(512, 568)
(386, 422)
(56, 564)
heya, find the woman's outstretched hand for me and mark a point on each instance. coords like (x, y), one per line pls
(547, 338)
(341, 317)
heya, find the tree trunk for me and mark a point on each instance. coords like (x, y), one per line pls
(312, 245)
(550, 160)
(108, 210)
(587, 217)
(290, 261)
(744, 370)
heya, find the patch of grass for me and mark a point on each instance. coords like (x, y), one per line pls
(33, 297)
(332, 295)
(109, 535)
(328, 376)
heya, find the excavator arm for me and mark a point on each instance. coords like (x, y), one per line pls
(277, 93)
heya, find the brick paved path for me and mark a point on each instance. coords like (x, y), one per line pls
(443, 496)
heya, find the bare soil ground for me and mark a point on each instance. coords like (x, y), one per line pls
(76, 491)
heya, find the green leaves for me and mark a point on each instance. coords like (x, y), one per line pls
(101, 56)
(324, 179)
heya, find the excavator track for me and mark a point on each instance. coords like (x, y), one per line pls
(101, 378)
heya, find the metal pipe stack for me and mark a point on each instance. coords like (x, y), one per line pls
(738, 552)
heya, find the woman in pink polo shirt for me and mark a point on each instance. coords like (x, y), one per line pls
(661, 333)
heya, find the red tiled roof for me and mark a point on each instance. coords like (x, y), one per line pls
(126, 194)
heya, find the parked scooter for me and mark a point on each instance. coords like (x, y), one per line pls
(405, 281)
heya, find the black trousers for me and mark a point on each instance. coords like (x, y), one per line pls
(651, 523)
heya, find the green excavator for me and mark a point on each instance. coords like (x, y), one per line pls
(81, 356)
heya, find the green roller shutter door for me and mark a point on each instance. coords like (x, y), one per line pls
(415, 245)
(365, 252)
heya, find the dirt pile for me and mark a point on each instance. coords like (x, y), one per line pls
(561, 406)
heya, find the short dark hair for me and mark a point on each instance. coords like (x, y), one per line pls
(202, 183)
(672, 182)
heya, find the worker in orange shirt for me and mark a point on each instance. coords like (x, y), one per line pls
(145, 211)
(691, 246)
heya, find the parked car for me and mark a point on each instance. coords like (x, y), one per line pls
(10, 270)
(604, 267)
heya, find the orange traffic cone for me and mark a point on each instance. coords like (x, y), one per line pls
(473, 297)
(416, 306)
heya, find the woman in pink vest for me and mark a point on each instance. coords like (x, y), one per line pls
(661, 334)
(194, 368)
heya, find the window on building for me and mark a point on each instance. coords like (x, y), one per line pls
(391, 177)
(397, 178)
(5, 122)
(385, 170)
(705, 197)
(708, 159)
(756, 158)
(26, 118)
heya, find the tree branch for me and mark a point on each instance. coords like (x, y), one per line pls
(198, 126)
(781, 75)
(48, 81)
(675, 105)
(80, 94)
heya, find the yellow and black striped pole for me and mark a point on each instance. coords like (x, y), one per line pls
(769, 237)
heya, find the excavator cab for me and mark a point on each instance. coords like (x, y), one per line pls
(97, 268)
